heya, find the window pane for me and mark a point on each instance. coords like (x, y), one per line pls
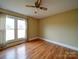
(9, 35)
(9, 29)
(21, 29)
(21, 24)
(9, 23)
(21, 33)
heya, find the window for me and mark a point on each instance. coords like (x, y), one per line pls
(21, 28)
(15, 28)
(9, 29)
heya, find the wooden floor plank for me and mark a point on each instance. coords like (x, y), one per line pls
(38, 49)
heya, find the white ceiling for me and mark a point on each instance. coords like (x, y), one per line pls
(54, 7)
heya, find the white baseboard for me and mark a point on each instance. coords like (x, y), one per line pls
(61, 44)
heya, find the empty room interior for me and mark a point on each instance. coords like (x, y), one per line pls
(38, 29)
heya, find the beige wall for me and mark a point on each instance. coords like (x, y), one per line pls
(32, 27)
(61, 28)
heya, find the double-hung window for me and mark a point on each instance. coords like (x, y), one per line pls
(10, 29)
(21, 29)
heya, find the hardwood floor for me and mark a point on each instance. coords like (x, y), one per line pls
(38, 49)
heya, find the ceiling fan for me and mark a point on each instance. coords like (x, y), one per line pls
(37, 5)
